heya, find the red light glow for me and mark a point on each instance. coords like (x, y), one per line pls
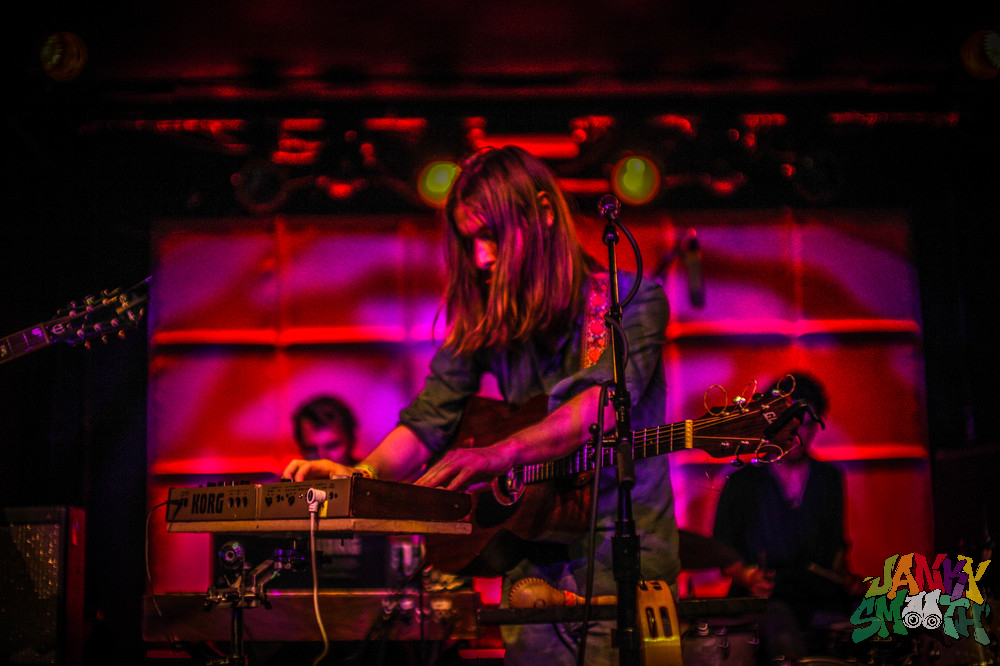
(676, 122)
(756, 121)
(402, 125)
(950, 119)
(303, 124)
(551, 147)
(727, 186)
(585, 186)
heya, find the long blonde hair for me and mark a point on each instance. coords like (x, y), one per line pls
(536, 289)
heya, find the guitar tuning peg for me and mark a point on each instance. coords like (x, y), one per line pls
(737, 462)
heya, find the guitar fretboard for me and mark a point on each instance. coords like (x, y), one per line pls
(112, 311)
(23, 342)
(645, 444)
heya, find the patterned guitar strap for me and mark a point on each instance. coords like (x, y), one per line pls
(595, 332)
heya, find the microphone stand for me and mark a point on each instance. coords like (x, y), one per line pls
(625, 542)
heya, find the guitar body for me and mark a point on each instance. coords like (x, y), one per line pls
(552, 511)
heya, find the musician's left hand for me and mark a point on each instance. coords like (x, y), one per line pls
(302, 470)
(469, 468)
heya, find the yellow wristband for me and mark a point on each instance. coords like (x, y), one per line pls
(366, 471)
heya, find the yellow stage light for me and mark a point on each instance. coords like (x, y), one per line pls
(635, 179)
(435, 182)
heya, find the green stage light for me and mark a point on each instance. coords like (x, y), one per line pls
(635, 179)
(435, 181)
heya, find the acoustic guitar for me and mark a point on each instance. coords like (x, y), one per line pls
(551, 501)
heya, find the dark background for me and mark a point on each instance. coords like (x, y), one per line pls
(83, 181)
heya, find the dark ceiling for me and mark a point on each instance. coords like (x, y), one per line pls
(76, 153)
(156, 51)
(525, 66)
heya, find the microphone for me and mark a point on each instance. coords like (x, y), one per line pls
(609, 206)
(691, 254)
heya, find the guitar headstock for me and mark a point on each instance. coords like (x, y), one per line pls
(762, 428)
(110, 313)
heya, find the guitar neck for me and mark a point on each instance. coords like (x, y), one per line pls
(23, 342)
(645, 444)
(95, 316)
(722, 432)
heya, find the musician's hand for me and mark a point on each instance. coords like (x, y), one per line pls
(302, 470)
(468, 469)
(855, 585)
(758, 581)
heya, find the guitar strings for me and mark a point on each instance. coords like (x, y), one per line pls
(643, 440)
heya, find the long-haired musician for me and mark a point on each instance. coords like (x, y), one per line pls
(525, 303)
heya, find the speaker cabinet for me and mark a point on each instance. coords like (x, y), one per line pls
(41, 585)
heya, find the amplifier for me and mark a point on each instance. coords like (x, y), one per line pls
(41, 585)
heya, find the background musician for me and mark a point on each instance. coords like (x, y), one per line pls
(325, 428)
(786, 520)
(520, 293)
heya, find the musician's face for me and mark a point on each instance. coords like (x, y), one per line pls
(472, 227)
(329, 442)
(808, 432)
(805, 433)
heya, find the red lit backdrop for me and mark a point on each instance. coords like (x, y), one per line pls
(252, 316)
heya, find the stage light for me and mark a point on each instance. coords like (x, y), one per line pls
(981, 54)
(63, 56)
(260, 187)
(635, 179)
(434, 182)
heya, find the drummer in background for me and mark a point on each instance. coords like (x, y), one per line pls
(786, 521)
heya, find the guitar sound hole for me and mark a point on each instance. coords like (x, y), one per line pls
(491, 513)
(507, 489)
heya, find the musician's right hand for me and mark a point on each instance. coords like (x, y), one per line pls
(759, 582)
(302, 470)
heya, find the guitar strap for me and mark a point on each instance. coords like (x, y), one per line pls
(595, 332)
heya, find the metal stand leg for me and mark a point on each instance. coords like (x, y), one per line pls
(236, 655)
(245, 591)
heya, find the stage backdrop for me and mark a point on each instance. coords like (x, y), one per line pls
(250, 317)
